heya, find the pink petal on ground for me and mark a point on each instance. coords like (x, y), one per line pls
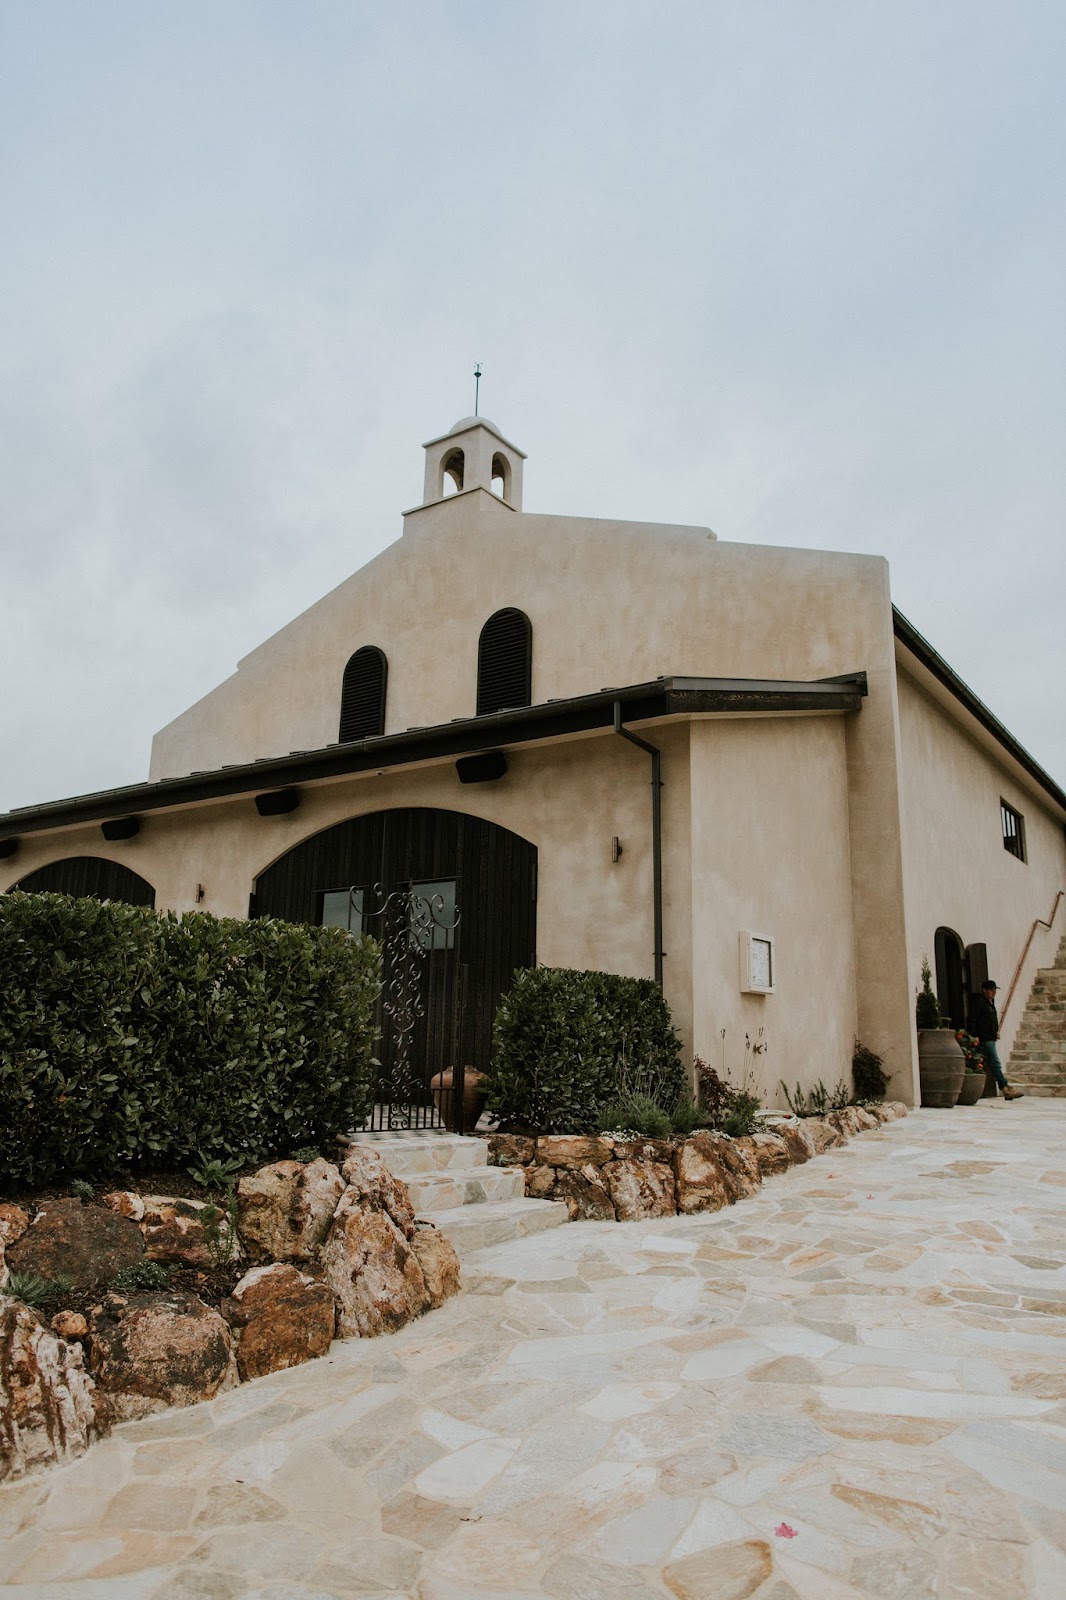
(783, 1531)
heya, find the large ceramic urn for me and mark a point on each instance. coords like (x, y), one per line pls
(941, 1067)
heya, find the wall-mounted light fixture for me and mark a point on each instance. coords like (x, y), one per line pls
(484, 768)
(277, 802)
(199, 893)
(8, 847)
(616, 849)
(121, 828)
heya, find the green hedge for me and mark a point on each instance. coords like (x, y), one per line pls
(134, 1039)
(567, 1043)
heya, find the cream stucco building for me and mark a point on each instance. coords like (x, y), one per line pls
(834, 802)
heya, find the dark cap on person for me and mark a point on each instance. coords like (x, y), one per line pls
(990, 983)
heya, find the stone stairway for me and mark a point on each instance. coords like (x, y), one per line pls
(452, 1185)
(1038, 1057)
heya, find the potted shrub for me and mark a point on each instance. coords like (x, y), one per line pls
(941, 1063)
(973, 1083)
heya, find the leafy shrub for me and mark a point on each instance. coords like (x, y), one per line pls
(635, 1113)
(213, 1173)
(38, 1292)
(686, 1117)
(742, 1116)
(818, 1101)
(81, 1190)
(141, 1275)
(129, 1038)
(867, 1069)
(219, 1224)
(714, 1095)
(567, 1043)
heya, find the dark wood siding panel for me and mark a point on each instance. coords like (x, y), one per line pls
(495, 873)
(90, 877)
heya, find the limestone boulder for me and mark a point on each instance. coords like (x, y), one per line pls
(771, 1152)
(154, 1350)
(641, 1189)
(13, 1222)
(846, 1121)
(865, 1119)
(436, 1256)
(800, 1144)
(573, 1150)
(374, 1185)
(173, 1232)
(897, 1106)
(644, 1150)
(372, 1271)
(511, 1150)
(823, 1135)
(540, 1182)
(741, 1165)
(587, 1193)
(278, 1317)
(881, 1112)
(125, 1202)
(69, 1325)
(285, 1209)
(702, 1179)
(50, 1408)
(86, 1243)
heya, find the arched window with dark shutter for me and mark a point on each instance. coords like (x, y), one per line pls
(504, 662)
(363, 694)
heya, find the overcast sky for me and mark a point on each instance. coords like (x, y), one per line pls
(790, 268)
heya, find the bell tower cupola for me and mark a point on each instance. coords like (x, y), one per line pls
(473, 455)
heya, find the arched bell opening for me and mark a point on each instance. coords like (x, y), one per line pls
(452, 473)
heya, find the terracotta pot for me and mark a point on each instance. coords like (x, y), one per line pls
(973, 1087)
(473, 1098)
(941, 1067)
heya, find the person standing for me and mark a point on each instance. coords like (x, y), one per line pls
(983, 1023)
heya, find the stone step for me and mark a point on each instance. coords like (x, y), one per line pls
(1040, 1091)
(477, 1227)
(407, 1153)
(432, 1192)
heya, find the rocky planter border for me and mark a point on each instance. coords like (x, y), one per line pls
(331, 1253)
(603, 1179)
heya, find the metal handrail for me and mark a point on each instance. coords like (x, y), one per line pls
(1038, 922)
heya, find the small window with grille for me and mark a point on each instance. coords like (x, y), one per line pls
(363, 695)
(1013, 830)
(504, 662)
(341, 908)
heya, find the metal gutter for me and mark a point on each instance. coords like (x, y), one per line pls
(659, 698)
(656, 834)
(919, 647)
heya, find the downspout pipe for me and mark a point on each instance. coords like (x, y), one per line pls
(656, 833)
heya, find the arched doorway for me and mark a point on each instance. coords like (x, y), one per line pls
(90, 877)
(950, 976)
(478, 881)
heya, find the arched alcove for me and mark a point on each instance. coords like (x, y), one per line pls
(452, 473)
(483, 872)
(89, 877)
(501, 476)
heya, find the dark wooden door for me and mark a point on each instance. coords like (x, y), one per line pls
(482, 877)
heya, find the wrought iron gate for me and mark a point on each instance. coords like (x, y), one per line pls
(421, 1076)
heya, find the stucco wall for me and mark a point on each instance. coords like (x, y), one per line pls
(569, 799)
(770, 854)
(957, 873)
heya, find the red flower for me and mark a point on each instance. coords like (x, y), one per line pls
(783, 1531)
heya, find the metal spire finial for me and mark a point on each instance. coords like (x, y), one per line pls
(477, 384)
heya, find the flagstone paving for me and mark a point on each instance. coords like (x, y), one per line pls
(852, 1385)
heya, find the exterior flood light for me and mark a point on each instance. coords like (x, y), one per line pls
(484, 768)
(121, 828)
(8, 847)
(277, 802)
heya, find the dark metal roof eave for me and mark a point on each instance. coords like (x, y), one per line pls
(663, 697)
(934, 663)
